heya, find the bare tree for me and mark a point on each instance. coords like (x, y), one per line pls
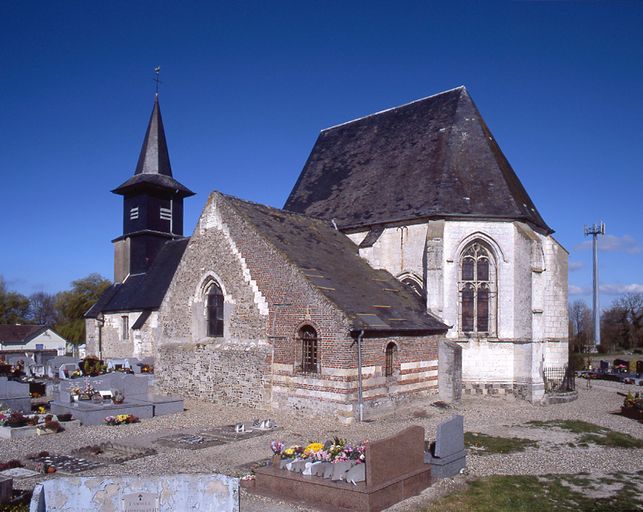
(632, 306)
(581, 331)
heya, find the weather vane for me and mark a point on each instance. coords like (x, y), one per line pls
(157, 71)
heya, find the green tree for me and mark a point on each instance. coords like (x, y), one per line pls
(14, 307)
(73, 304)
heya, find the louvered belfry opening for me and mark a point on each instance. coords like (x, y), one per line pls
(215, 311)
(309, 349)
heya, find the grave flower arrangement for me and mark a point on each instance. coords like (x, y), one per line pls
(86, 392)
(121, 419)
(337, 450)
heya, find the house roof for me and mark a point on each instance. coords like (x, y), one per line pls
(434, 157)
(143, 291)
(153, 168)
(13, 333)
(372, 299)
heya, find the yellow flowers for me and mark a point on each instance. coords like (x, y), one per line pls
(289, 452)
(313, 448)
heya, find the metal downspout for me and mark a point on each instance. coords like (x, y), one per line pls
(360, 401)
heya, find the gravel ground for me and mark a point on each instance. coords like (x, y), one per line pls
(494, 416)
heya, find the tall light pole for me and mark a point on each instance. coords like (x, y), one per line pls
(594, 230)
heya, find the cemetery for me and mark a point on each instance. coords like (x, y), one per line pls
(254, 460)
(369, 466)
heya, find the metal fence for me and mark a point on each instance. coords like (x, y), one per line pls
(559, 379)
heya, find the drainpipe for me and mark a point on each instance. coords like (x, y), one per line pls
(100, 320)
(360, 401)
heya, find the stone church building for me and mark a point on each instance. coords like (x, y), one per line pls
(408, 254)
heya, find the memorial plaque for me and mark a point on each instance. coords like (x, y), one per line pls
(140, 502)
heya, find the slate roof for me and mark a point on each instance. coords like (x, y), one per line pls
(153, 167)
(372, 299)
(13, 333)
(434, 157)
(143, 291)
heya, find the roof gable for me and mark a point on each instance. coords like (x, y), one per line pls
(373, 300)
(15, 333)
(434, 157)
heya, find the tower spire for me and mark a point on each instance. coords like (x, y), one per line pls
(154, 157)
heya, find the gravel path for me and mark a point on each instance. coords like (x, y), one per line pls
(495, 416)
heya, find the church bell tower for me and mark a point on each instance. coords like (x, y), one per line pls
(152, 204)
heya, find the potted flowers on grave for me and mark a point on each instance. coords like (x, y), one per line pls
(118, 397)
(86, 392)
(121, 419)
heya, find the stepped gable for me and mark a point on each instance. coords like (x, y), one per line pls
(372, 299)
(432, 158)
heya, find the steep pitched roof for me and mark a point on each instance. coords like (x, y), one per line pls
(372, 299)
(434, 157)
(13, 333)
(143, 291)
(153, 166)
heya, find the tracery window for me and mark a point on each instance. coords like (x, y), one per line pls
(309, 349)
(389, 367)
(477, 288)
(214, 308)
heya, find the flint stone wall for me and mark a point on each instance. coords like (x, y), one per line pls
(236, 374)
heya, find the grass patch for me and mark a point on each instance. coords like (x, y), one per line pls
(526, 493)
(591, 433)
(613, 440)
(574, 426)
(490, 444)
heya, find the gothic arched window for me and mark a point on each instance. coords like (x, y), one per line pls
(214, 307)
(477, 288)
(389, 367)
(309, 349)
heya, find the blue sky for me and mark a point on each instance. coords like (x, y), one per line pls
(247, 86)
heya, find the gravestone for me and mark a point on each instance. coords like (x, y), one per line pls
(6, 489)
(54, 364)
(164, 493)
(15, 395)
(393, 471)
(66, 369)
(447, 455)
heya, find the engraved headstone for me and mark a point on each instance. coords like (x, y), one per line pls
(141, 502)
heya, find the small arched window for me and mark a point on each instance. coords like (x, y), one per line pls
(477, 287)
(215, 310)
(389, 367)
(309, 349)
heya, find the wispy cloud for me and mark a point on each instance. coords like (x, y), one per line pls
(575, 265)
(613, 243)
(618, 289)
(607, 289)
(578, 290)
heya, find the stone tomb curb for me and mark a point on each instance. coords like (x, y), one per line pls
(166, 493)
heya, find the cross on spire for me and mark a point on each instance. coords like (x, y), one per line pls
(157, 72)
